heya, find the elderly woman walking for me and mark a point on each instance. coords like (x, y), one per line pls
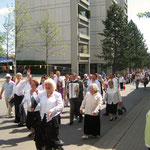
(112, 97)
(92, 104)
(32, 117)
(18, 95)
(51, 105)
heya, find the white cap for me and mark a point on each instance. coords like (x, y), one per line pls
(8, 76)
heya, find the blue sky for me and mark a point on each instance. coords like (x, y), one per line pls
(134, 6)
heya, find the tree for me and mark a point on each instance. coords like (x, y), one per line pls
(114, 44)
(2, 52)
(9, 34)
(145, 14)
(22, 26)
(138, 55)
(49, 34)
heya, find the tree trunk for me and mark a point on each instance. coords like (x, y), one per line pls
(47, 68)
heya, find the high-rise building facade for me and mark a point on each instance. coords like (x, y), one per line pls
(73, 19)
(98, 13)
(80, 22)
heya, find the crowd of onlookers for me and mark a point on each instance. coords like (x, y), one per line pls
(45, 101)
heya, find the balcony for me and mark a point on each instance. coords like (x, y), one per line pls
(83, 6)
(83, 18)
(85, 2)
(84, 55)
(83, 36)
(83, 24)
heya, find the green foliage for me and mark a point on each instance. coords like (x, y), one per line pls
(2, 52)
(9, 34)
(145, 14)
(114, 43)
(137, 53)
(123, 45)
(48, 32)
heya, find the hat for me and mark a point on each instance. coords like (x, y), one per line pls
(8, 76)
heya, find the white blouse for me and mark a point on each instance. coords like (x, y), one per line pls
(121, 80)
(27, 98)
(112, 96)
(40, 88)
(91, 103)
(18, 89)
(54, 104)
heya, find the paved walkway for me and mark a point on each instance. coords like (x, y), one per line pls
(113, 134)
(128, 134)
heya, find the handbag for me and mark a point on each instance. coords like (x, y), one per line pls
(121, 109)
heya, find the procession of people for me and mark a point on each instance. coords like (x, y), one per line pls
(47, 99)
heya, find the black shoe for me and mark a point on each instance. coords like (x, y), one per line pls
(116, 117)
(105, 114)
(71, 123)
(80, 120)
(20, 125)
(111, 119)
(16, 121)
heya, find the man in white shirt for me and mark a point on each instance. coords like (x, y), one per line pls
(59, 78)
(8, 88)
(95, 80)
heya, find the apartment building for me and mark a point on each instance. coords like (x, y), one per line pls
(80, 22)
(73, 19)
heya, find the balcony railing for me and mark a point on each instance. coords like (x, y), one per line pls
(85, 2)
(83, 36)
(83, 18)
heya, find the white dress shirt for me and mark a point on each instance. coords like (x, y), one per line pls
(40, 88)
(115, 81)
(91, 103)
(27, 98)
(18, 89)
(98, 84)
(121, 80)
(56, 79)
(8, 88)
(54, 104)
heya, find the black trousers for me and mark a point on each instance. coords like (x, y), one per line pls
(121, 86)
(32, 119)
(18, 117)
(75, 109)
(46, 135)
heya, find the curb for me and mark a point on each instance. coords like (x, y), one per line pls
(110, 140)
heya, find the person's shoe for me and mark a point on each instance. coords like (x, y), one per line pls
(16, 121)
(20, 125)
(105, 114)
(80, 120)
(116, 118)
(111, 119)
(85, 137)
(71, 123)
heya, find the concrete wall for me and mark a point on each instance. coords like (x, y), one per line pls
(60, 12)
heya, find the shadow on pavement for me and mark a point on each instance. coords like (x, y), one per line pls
(71, 135)
(13, 142)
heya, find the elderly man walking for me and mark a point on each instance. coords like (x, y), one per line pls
(7, 87)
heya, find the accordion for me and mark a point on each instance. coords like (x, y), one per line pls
(73, 90)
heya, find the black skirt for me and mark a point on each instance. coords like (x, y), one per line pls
(112, 108)
(92, 125)
(33, 119)
(47, 134)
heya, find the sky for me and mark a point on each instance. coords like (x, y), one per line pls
(134, 7)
